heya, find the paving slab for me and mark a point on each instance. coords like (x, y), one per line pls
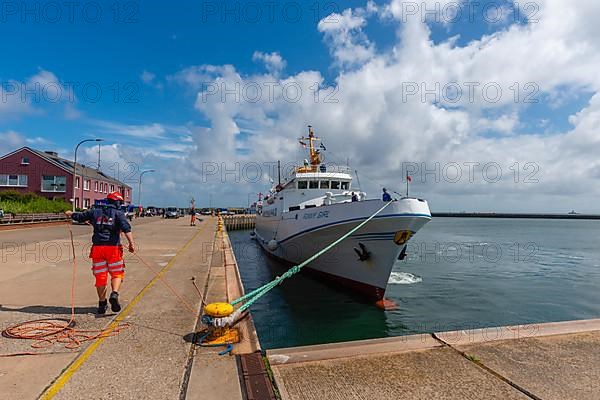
(214, 377)
(556, 367)
(36, 371)
(438, 373)
(352, 349)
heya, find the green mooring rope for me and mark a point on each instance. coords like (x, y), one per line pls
(256, 294)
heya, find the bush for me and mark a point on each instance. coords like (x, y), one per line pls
(13, 202)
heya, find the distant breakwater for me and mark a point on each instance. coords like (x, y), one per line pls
(514, 215)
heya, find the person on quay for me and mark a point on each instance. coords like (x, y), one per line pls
(107, 252)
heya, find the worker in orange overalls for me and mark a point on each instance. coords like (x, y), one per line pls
(193, 213)
(107, 253)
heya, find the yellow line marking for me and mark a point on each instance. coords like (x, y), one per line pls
(60, 382)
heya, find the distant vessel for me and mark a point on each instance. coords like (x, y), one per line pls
(314, 207)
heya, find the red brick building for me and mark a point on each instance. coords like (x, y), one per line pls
(46, 174)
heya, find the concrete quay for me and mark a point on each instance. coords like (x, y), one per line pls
(155, 357)
(553, 361)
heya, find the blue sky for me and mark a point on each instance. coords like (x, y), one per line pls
(137, 56)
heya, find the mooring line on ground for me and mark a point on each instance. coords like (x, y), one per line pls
(487, 369)
(66, 375)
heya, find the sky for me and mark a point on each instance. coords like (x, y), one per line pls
(487, 105)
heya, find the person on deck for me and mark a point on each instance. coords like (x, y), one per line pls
(386, 195)
(107, 252)
(354, 197)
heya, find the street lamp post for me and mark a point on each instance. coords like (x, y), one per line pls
(140, 186)
(75, 169)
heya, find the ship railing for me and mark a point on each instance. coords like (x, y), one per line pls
(342, 169)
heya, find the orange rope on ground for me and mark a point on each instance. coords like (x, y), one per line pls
(164, 281)
(49, 331)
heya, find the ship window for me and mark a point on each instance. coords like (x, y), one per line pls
(345, 185)
(302, 185)
(335, 184)
(313, 184)
(324, 184)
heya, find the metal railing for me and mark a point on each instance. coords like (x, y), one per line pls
(10, 219)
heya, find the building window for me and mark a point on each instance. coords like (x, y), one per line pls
(86, 203)
(112, 188)
(25, 161)
(51, 183)
(313, 184)
(95, 186)
(105, 188)
(13, 180)
(77, 183)
(76, 202)
(86, 184)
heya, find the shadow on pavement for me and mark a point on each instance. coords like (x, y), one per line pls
(38, 309)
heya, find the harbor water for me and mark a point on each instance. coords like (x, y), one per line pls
(460, 273)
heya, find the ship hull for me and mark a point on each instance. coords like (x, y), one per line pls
(302, 233)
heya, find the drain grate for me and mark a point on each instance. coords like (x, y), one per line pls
(256, 381)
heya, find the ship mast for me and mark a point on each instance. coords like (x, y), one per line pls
(315, 155)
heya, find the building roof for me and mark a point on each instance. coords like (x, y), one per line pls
(67, 165)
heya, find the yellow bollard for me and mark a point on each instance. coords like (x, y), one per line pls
(220, 335)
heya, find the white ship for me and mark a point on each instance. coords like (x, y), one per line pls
(315, 206)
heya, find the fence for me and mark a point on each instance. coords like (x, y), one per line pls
(10, 219)
(239, 222)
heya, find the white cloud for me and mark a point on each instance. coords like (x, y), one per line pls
(11, 140)
(273, 61)
(378, 127)
(146, 131)
(149, 78)
(344, 34)
(39, 94)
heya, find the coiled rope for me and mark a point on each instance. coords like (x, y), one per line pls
(49, 331)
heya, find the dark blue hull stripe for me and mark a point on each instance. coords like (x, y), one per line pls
(351, 220)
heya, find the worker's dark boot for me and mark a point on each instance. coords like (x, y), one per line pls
(102, 306)
(114, 302)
